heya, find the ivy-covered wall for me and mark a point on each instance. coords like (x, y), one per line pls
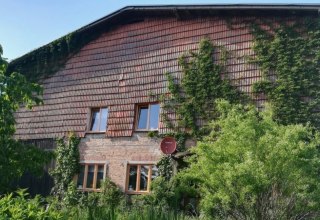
(289, 57)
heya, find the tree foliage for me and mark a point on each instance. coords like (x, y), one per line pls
(15, 157)
(251, 167)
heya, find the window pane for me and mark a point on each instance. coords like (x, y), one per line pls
(154, 116)
(95, 120)
(154, 172)
(100, 176)
(90, 176)
(144, 178)
(132, 186)
(104, 118)
(80, 178)
(143, 116)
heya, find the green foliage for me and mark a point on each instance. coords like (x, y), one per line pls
(290, 60)
(200, 86)
(15, 157)
(174, 194)
(20, 207)
(67, 164)
(48, 59)
(165, 167)
(110, 195)
(144, 213)
(251, 167)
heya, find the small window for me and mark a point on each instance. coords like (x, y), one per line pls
(139, 177)
(99, 118)
(91, 177)
(148, 117)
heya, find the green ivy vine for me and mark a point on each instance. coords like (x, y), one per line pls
(50, 58)
(165, 167)
(67, 164)
(289, 57)
(193, 98)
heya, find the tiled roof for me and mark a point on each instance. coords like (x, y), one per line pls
(125, 65)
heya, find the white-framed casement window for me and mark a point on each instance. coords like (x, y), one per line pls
(147, 118)
(139, 178)
(91, 176)
(98, 120)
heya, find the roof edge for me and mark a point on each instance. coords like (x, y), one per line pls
(302, 7)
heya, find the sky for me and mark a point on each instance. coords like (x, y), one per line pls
(28, 24)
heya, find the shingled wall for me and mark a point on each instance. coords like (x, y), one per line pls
(124, 66)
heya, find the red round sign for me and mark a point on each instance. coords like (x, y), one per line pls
(168, 145)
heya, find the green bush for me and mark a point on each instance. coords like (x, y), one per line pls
(20, 207)
(251, 167)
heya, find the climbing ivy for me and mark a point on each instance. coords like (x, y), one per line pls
(193, 99)
(165, 167)
(289, 57)
(67, 164)
(50, 58)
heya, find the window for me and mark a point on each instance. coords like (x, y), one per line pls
(148, 117)
(99, 118)
(139, 177)
(91, 176)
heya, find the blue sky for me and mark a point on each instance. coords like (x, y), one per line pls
(29, 24)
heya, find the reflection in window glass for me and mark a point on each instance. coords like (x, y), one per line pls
(143, 117)
(80, 178)
(144, 174)
(100, 176)
(104, 118)
(154, 116)
(90, 176)
(154, 173)
(140, 177)
(132, 178)
(95, 120)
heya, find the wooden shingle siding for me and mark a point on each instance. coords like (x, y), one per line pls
(125, 65)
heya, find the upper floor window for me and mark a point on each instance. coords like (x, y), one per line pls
(91, 177)
(148, 117)
(99, 118)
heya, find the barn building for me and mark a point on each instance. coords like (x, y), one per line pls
(98, 79)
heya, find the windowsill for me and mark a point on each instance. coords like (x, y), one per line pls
(136, 192)
(146, 130)
(89, 190)
(96, 132)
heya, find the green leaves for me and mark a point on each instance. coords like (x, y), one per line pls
(290, 62)
(200, 86)
(20, 207)
(15, 157)
(251, 166)
(67, 164)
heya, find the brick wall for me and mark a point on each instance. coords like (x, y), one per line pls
(118, 152)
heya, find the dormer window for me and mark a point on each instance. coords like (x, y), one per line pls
(99, 118)
(148, 117)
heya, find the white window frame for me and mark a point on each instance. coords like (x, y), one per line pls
(139, 106)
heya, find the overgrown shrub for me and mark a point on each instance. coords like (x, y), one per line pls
(251, 167)
(19, 207)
